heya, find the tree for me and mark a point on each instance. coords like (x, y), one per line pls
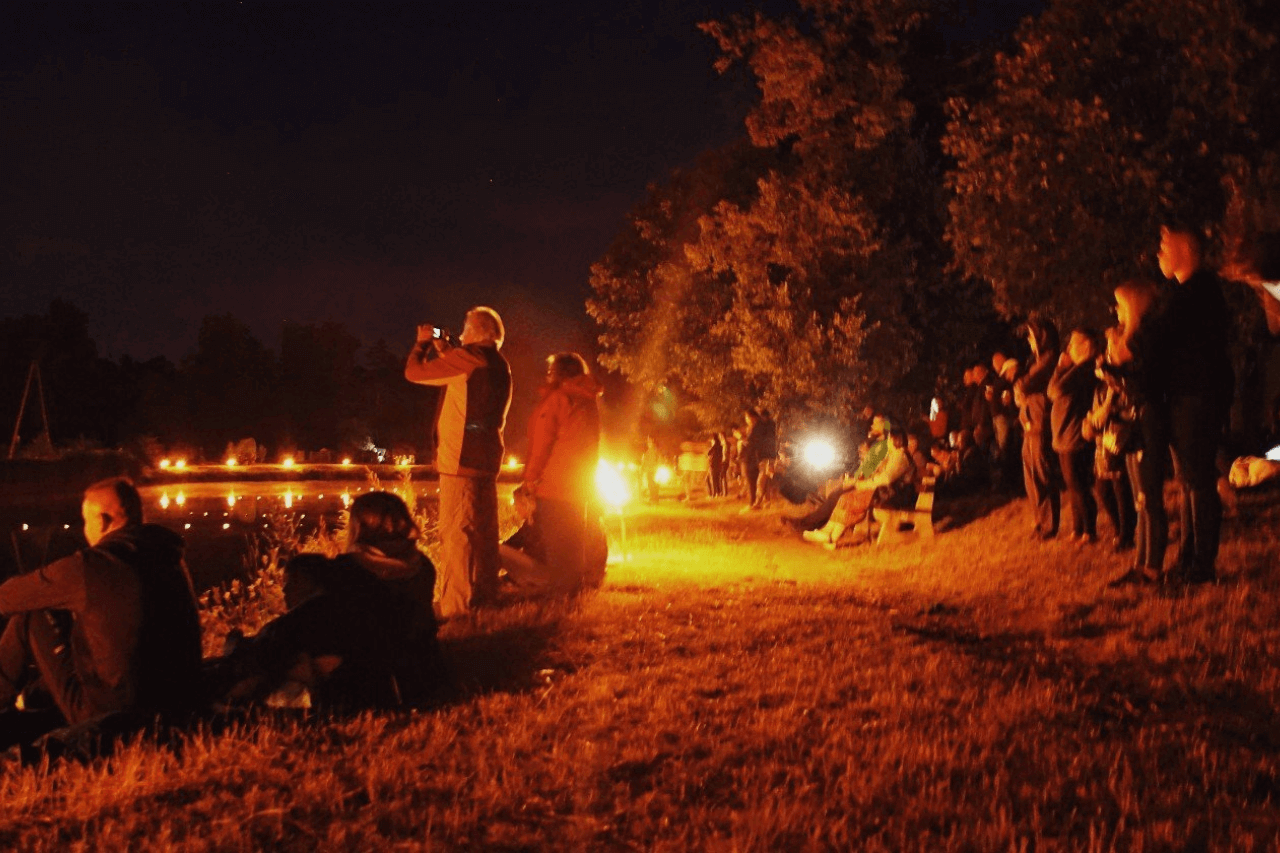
(822, 286)
(318, 392)
(231, 385)
(1107, 119)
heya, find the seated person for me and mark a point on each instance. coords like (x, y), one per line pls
(339, 640)
(111, 631)
(524, 555)
(871, 454)
(382, 538)
(890, 486)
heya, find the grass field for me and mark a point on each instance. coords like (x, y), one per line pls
(732, 688)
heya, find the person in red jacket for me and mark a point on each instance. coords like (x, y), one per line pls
(469, 424)
(564, 450)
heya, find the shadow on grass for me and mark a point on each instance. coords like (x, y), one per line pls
(953, 513)
(503, 660)
(1119, 696)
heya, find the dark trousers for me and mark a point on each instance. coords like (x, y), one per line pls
(1195, 427)
(34, 647)
(750, 473)
(1041, 480)
(1149, 466)
(1115, 498)
(1077, 475)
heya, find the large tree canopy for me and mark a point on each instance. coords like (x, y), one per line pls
(811, 276)
(1107, 119)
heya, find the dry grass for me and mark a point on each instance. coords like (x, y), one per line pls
(732, 688)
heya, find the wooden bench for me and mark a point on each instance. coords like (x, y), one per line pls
(907, 525)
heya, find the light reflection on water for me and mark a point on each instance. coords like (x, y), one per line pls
(216, 519)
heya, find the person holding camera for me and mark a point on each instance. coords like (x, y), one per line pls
(470, 419)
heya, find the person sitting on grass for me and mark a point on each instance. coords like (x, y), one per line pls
(383, 539)
(890, 487)
(335, 647)
(108, 638)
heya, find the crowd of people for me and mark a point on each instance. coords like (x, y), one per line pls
(1084, 424)
(108, 641)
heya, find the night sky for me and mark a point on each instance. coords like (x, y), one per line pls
(374, 164)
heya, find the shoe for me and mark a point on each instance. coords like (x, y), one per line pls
(1086, 539)
(818, 536)
(1047, 535)
(829, 545)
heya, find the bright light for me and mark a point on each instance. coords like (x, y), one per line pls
(180, 464)
(226, 525)
(181, 499)
(231, 499)
(231, 462)
(346, 499)
(612, 486)
(819, 453)
(165, 463)
(164, 500)
(1274, 453)
(513, 462)
(287, 462)
(346, 460)
(663, 475)
(288, 499)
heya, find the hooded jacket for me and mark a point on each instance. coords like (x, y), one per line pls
(135, 636)
(564, 441)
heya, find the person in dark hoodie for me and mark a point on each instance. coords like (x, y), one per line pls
(1070, 394)
(382, 538)
(110, 631)
(560, 475)
(1039, 464)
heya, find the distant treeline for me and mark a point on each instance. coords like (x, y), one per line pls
(323, 389)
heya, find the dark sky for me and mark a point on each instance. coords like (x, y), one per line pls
(377, 164)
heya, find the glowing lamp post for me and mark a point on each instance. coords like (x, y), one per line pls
(615, 492)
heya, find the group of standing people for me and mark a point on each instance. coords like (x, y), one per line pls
(1105, 417)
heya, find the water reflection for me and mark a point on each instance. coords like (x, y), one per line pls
(217, 520)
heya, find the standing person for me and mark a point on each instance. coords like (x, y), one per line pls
(1070, 394)
(560, 476)
(111, 630)
(1193, 370)
(765, 439)
(1110, 425)
(716, 486)
(749, 456)
(469, 424)
(649, 462)
(1039, 464)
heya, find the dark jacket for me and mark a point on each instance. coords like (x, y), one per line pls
(1187, 355)
(135, 635)
(473, 409)
(1071, 394)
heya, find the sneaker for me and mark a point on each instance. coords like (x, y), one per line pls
(818, 536)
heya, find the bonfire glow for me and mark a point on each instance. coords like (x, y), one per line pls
(662, 476)
(287, 462)
(612, 486)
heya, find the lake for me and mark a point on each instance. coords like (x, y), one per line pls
(218, 521)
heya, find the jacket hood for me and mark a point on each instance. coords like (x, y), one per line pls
(585, 386)
(394, 559)
(151, 542)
